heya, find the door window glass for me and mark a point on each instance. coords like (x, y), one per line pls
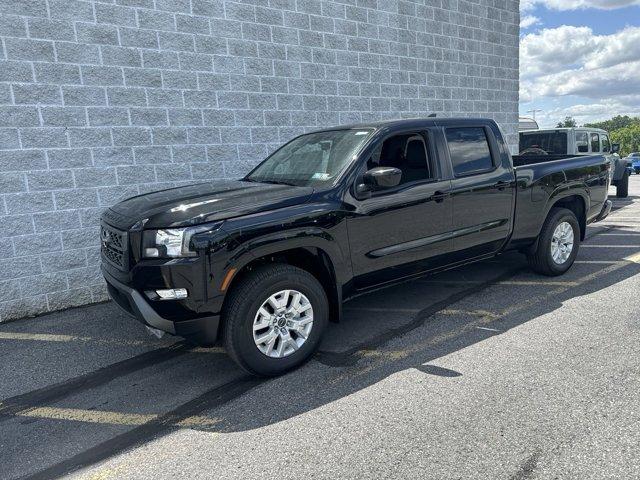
(469, 150)
(606, 146)
(595, 142)
(408, 153)
(582, 142)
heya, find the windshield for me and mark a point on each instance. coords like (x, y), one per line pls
(312, 159)
(550, 142)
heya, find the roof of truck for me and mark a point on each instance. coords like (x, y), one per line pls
(412, 122)
(566, 129)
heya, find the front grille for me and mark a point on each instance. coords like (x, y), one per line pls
(114, 246)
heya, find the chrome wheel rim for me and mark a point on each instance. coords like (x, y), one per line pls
(283, 323)
(562, 243)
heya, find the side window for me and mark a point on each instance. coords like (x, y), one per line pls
(582, 142)
(595, 142)
(606, 146)
(407, 152)
(469, 150)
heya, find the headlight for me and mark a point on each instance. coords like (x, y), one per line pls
(172, 242)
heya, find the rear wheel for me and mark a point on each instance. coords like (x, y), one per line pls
(558, 243)
(275, 318)
(622, 189)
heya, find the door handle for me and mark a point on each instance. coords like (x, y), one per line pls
(439, 196)
(501, 185)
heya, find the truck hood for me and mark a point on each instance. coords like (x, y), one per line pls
(205, 202)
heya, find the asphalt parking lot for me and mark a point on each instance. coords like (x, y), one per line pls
(486, 371)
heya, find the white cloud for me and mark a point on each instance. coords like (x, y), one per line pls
(574, 62)
(554, 48)
(528, 5)
(529, 21)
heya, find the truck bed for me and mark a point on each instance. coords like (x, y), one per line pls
(521, 160)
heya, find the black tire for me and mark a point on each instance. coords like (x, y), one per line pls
(243, 303)
(541, 260)
(622, 188)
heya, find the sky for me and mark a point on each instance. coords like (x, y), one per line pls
(579, 58)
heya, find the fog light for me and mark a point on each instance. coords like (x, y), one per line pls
(172, 294)
(151, 252)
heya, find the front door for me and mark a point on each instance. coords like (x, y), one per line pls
(405, 229)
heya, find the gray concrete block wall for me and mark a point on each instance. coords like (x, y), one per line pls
(101, 100)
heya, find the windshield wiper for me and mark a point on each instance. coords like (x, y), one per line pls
(272, 182)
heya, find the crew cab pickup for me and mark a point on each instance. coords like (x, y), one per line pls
(264, 262)
(558, 143)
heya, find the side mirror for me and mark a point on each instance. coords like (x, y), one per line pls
(615, 148)
(379, 178)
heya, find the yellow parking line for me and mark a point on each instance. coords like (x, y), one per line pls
(41, 337)
(599, 261)
(505, 282)
(489, 329)
(109, 418)
(474, 313)
(374, 309)
(635, 258)
(207, 350)
(537, 282)
(50, 337)
(586, 245)
(87, 416)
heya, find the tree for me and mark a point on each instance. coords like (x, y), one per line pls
(617, 122)
(628, 137)
(568, 122)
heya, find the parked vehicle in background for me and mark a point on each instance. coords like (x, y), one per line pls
(562, 142)
(634, 157)
(264, 262)
(527, 123)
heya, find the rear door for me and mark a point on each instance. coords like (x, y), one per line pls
(482, 189)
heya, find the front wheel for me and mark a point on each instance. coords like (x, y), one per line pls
(274, 320)
(558, 243)
(622, 189)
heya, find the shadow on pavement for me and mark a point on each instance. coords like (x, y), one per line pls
(176, 383)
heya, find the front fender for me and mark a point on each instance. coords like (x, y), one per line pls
(319, 227)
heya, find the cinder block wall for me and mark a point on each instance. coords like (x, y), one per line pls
(100, 100)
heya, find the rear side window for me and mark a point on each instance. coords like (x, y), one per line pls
(595, 142)
(550, 142)
(469, 150)
(582, 142)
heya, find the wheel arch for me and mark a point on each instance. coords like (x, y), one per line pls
(578, 205)
(313, 259)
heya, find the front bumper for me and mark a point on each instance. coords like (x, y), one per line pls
(202, 329)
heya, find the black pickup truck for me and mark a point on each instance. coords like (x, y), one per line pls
(266, 261)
